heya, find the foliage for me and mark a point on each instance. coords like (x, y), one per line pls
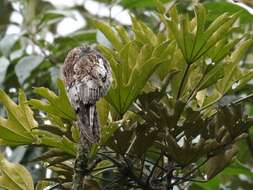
(14, 176)
(175, 115)
(16, 130)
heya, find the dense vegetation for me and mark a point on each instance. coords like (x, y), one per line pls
(178, 114)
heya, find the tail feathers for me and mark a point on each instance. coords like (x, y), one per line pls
(92, 110)
(88, 124)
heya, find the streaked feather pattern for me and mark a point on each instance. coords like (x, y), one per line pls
(87, 77)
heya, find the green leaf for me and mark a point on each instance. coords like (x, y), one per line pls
(5, 12)
(200, 13)
(247, 76)
(178, 35)
(51, 16)
(59, 142)
(120, 140)
(237, 168)
(109, 34)
(41, 185)
(214, 34)
(75, 133)
(210, 185)
(16, 129)
(217, 163)
(14, 176)
(140, 4)
(121, 97)
(211, 77)
(7, 43)
(103, 109)
(55, 105)
(195, 41)
(132, 64)
(26, 65)
(74, 39)
(224, 50)
(122, 34)
(107, 132)
(4, 66)
(245, 16)
(230, 76)
(188, 39)
(142, 32)
(159, 6)
(232, 72)
(144, 139)
(241, 49)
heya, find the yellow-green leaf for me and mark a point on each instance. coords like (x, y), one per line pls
(16, 129)
(14, 176)
(55, 105)
(109, 34)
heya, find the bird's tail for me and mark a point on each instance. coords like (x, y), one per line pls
(88, 124)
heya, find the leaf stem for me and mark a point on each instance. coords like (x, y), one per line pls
(183, 80)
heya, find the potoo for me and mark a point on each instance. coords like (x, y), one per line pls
(87, 77)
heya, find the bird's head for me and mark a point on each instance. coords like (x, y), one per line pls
(77, 53)
(79, 59)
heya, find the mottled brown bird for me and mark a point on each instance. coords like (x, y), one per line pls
(245, 2)
(87, 77)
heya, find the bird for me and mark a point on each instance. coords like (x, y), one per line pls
(87, 77)
(248, 3)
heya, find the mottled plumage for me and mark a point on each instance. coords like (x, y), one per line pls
(87, 78)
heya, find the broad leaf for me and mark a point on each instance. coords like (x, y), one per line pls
(140, 4)
(217, 163)
(26, 65)
(137, 63)
(16, 129)
(7, 43)
(60, 142)
(55, 105)
(245, 16)
(109, 34)
(14, 176)
(4, 66)
(195, 42)
(232, 73)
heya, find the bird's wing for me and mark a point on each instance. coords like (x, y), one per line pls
(83, 99)
(89, 91)
(73, 96)
(86, 92)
